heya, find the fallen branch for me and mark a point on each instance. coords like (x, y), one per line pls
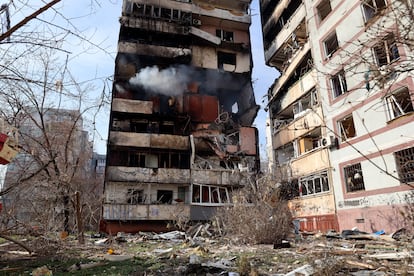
(16, 242)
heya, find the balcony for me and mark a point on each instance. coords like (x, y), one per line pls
(151, 175)
(152, 50)
(308, 121)
(218, 177)
(296, 91)
(146, 212)
(132, 106)
(148, 140)
(310, 162)
(297, 26)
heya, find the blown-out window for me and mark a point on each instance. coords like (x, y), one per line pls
(208, 194)
(399, 103)
(331, 45)
(354, 178)
(386, 51)
(346, 128)
(371, 8)
(339, 85)
(324, 8)
(314, 184)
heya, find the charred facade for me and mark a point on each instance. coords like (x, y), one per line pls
(180, 134)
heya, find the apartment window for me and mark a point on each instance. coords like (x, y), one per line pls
(372, 7)
(339, 85)
(405, 164)
(354, 178)
(224, 59)
(399, 103)
(314, 184)
(135, 196)
(225, 35)
(324, 8)
(306, 102)
(206, 194)
(331, 45)
(164, 196)
(386, 51)
(346, 128)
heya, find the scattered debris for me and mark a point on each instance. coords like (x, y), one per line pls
(79, 266)
(42, 271)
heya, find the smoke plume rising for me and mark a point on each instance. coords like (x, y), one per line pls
(171, 81)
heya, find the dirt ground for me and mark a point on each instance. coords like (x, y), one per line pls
(175, 253)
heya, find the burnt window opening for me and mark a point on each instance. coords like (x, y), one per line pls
(386, 51)
(405, 164)
(224, 59)
(324, 9)
(399, 103)
(139, 126)
(314, 184)
(136, 159)
(225, 35)
(371, 8)
(331, 45)
(339, 86)
(354, 178)
(346, 128)
(135, 196)
(164, 196)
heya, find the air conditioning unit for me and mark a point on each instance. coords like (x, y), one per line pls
(329, 142)
(196, 22)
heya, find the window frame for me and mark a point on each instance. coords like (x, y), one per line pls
(322, 13)
(338, 84)
(342, 131)
(354, 178)
(215, 195)
(403, 158)
(386, 51)
(375, 10)
(393, 105)
(304, 182)
(330, 50)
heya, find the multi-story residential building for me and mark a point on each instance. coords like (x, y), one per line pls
(180, 131)
(341, 112)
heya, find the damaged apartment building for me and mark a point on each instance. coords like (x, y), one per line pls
(180, 134)
(341, 112)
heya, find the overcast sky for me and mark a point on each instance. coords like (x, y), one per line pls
(100, 24)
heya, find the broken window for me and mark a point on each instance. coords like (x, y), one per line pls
(207, 194)
(306, 102)
(311, 141)
(314, 184)
(399, 103)
(346, 128)
(135, 196)
(226, 61)
(405, 164)
(386, 51)
(371, 8)
(338, 83)
(164, 196)
(136, 159)
(331, 44)
(324, 8)
(354, 178)
(225, 35)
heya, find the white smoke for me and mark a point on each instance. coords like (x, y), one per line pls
(171, 81)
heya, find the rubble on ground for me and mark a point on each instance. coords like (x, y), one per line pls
(198, 251)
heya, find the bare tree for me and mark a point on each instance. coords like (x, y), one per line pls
(49, 186)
